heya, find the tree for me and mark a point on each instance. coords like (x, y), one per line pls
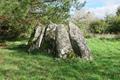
(83, 18)
(64, 40)
(21, 14)
(118, 11)
(16, 13)
(113, 24)
(98, 26)
(50, 10)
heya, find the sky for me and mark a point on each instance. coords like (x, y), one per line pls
(101, 8)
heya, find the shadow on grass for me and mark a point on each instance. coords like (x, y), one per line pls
(110, 39)
(23, 49)
(18, 39)
(14, 39)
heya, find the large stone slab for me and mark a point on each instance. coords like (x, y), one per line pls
(36, 37)
(78, 42)
(49, 41)
(63, 43)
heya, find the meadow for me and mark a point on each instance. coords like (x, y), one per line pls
(17, 64)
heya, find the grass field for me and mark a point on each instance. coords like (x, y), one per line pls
(16, 64)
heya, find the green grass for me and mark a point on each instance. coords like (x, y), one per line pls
(16, 64)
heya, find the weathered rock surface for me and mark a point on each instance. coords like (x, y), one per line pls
(78, 42)
(36, 37)
(61, 40)
(50, 31)
(49, 41)
(63, 43)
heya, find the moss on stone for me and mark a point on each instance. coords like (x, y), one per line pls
(71, 55)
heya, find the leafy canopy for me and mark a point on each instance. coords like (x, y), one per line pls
(56, 11)
(20, 15)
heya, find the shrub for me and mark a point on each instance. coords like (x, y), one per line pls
(98, 26)
(13, 17)
(118, 11)
(114, 24)
(111, 24)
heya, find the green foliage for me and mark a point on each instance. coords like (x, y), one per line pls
(54, 11)
(20, 19)
(118, 11)
(114, 24)
(99, 26)
(16, 64)
(111, 24)
(15, 13)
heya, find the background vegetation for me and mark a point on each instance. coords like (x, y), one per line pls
(19, 16)
(15, 64)
(111, 24)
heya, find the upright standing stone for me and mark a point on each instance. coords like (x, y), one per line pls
(36, 37)
(49, 42)
(63, 43)
(78, 42)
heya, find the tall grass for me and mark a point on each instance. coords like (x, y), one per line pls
(16, 64)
